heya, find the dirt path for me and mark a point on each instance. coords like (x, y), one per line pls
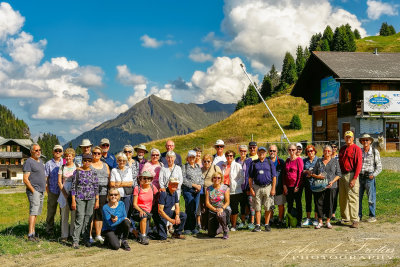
(371, 244)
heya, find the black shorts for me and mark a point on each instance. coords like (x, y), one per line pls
(98, 214)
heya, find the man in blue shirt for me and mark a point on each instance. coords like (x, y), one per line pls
(53, 191)
(107, 157)
(167, 201)
(262, 182)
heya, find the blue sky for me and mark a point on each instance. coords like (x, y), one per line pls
(66, 66)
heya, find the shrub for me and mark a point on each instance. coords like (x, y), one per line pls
(295, 123)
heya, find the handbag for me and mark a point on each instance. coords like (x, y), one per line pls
(318, 185)
(128, 190)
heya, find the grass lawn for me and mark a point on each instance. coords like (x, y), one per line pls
(14, 216)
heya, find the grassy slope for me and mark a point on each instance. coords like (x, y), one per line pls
(239, 127)
(383, 43)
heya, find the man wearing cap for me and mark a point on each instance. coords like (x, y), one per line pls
(371, 167)
(107, 157)
(299, 150)
(86, 147)
(141, 150)
(253, 150)
(51, 169)
(219, 157)
(262, 182)
(350, 160)
(167, 201)
(35, 180)
(170, 146)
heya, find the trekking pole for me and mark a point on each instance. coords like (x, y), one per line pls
(259, 94)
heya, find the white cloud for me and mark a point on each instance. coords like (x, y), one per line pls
(55, 90)
(150, 42)
(198, 56)
(377, 8)
(263, 30)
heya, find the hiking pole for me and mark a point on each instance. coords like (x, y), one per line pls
(259, 94)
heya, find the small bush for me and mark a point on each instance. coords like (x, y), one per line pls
(295, 123)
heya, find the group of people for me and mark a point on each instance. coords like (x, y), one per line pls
(112, 197)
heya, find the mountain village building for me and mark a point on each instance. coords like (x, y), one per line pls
(352, 91)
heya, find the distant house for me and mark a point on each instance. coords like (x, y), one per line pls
(13, 153)
(352, 91)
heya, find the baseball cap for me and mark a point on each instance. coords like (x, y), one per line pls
(104, 141)
(262, 148)
(58, 147)
(349, 133)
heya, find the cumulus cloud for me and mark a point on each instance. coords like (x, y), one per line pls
(150, 42)
(377, 8)
(54, 90)
(199, 56)
(263, 30)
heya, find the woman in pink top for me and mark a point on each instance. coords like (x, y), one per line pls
(292, 179)
(143, 196)
(154, 166)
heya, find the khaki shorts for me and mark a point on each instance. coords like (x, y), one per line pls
(263, 198)
(280, 199)
(35, 202)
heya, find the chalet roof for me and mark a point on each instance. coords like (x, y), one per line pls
(362, 65)
(22, 142)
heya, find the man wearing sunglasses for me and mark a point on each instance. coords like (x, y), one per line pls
(107, 157)
(86, 147)
(253, 150)
(219, 157)
(35, 180)
(53, 191)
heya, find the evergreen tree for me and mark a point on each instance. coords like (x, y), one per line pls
(328, 36)
(323, 45)
(351, 42)
(11, 126)
(289, 72)
(391, 30)
(47, 142)
(295, 123)
(78, 150)
(239, 105)
(314, 41)
(306, 53)
(343, 39)
(384, 31)
(357, 34)
(300, 60)
(266, 87)
(281, 86)
(274, 77)
(251, 97)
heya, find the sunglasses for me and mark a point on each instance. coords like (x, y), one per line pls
(207, 161)
(37, 150)
(272, 151)
(334, 146)
(309, 151)
(58, 150)
(219, 146)
(96, 153)
(299, 148)
(127, 151)
(217, 178)
(113, 195)
(155, 155)
(292, 149)
(242, 151)
(253, 147)
(87, 160)
(147, 178)
(229, 156)
(121, 160)
(328, 150)
(105, 145)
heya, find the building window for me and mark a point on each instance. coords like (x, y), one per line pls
(12, 161)
(13, 174)
(2, 161)
(2, 149)
(3, 175)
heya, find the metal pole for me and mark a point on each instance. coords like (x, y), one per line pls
(259, 94)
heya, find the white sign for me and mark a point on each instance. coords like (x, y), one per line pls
(371, 126)
(381, 101)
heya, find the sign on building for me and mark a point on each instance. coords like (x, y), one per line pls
(381, 101)
(329, 91)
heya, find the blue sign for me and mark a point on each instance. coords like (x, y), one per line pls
(329, 91)
(379, 100)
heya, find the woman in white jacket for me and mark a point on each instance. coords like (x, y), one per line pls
(234, 178)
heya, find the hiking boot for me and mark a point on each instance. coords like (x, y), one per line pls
(257, 228)
(267, 228)
(178, 236)
(75, 245)
(371, 219)
(32, 238)
(354, 225)
(125, 245)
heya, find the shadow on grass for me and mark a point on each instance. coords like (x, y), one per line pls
(21, 231)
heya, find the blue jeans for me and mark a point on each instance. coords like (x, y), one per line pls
(192, 199)
(369, 186)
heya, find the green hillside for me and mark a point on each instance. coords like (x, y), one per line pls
(11, 126)
(241, 125)
(383, 43)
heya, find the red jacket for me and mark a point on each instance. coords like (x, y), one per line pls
(350, 159)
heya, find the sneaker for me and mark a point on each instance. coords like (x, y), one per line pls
(371, 219)
(328, 225)
(267, 228)
(32, 238)
(99, 239)
(257, 228)
(198, 227)
(125, 245)
(318, 226)
(354, 225)
(75, 246)
(91, 240)
(178, 236)
(195, 231)
(145, 240)
(240, 226)
(251, 226)
(314, 222)
(225, 236)
(233, 229)
(307, 222)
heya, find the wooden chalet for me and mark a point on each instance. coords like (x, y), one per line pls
(352, 91)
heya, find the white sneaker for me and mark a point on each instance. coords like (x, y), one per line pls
(233, 229)
(315, 222)
(371, 219)
(99, 239)
(307, 222)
